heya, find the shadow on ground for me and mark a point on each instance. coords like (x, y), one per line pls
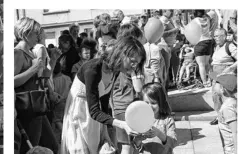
(184, 135)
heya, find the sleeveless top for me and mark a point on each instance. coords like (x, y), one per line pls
(31, 83)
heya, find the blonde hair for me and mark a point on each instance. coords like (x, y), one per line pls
(24, 27)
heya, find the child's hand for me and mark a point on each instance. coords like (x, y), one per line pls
(55, 53)
(151, 133)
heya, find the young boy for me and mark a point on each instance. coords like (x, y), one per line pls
(227, 115)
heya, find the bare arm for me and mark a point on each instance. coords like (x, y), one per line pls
(123, 125)
(137, 82)
(20, 79)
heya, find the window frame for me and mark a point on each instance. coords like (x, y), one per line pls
(55, 12)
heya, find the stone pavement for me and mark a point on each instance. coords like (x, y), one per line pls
(197, 137)
(195, 116)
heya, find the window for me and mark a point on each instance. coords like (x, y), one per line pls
(54, 11)
(50, 38)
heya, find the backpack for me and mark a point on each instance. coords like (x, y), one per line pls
(228, 51)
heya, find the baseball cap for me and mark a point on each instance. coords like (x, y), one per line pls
(227, 80)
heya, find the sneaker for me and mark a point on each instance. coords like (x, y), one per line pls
(214, 122)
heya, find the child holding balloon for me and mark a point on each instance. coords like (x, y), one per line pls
(155, 65)
(161, 138)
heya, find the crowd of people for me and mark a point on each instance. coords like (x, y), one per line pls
(72, 99)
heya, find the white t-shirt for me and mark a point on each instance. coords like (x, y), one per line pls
(220, 57)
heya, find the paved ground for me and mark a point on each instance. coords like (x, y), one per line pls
(197, 137)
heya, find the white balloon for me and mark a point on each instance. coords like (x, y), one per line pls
(193, 31)
(139, 116)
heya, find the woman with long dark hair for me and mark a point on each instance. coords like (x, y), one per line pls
(83, 118)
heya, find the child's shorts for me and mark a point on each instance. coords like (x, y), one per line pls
(121, 134)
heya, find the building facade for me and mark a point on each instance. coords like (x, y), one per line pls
(55, 21)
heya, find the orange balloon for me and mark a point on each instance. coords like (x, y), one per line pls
(154, 29)
(193, 32)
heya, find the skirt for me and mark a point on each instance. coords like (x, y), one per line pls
(80, 133)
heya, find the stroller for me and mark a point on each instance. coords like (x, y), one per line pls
(194, 79)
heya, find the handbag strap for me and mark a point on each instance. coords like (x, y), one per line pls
(40, 83)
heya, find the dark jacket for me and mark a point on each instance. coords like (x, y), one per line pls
(67, 60)
(98, 82)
